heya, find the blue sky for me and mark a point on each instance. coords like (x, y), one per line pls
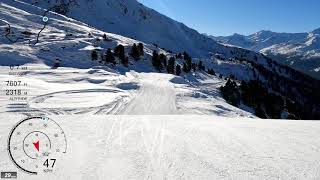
(225, 17)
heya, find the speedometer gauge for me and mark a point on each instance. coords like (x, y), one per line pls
(35, 145)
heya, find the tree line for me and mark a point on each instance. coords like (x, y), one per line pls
(298, 92)
(160, 61)
(110, 56)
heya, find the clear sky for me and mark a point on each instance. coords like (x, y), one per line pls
(225, 17)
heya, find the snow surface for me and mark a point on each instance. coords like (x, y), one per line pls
(179, 147)
(75, 91)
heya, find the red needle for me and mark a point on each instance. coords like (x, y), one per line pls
(37, 145)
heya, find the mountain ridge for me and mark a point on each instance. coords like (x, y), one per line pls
(133, 19)
(298, 50)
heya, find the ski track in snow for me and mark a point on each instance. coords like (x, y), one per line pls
(67, 91)
(50, 94)
(156, 96)
(181, 147)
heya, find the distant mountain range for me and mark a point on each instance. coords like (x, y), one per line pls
(298, 50)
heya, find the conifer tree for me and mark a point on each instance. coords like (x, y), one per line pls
(171, 65)
(155, 58)
(104, 37)
(186, 55)
(201, 66)
(94, 55)
(156, 61)
(211, 72)
(178, 70)
(102, 57)
(135, 54)
(194, 67)
(119, 52)
(163, 59)
(179, 56)
(188, 62)
(231, 93)
(140, 48)
(125, 61)
(109, 58)
(184, 68)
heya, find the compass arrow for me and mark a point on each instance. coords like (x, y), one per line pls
(37, 145)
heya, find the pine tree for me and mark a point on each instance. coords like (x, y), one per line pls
(194, 67)
(102, 57)
(104, 37)
(135, 54)
(155, 58)
(231, 93)
(171, 65)
(156, 61)
(211, 72)
(178, 70)
(179, 56)
(188, 62)
(163, 59)
(125, 61)
(201, 66)
(186, 55)
(184, 68)
(94, 55)
(140, 48)
(109, 58)
(119, 52)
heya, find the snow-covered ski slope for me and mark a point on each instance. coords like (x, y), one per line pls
(179, 147)
(99, 91)
(74, 88)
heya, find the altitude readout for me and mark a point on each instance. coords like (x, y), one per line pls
(16, 88)
(16, 84)
(16, 92)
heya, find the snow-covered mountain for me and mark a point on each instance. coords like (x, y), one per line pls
(298, 50)
(132, 19)
(74, 87)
